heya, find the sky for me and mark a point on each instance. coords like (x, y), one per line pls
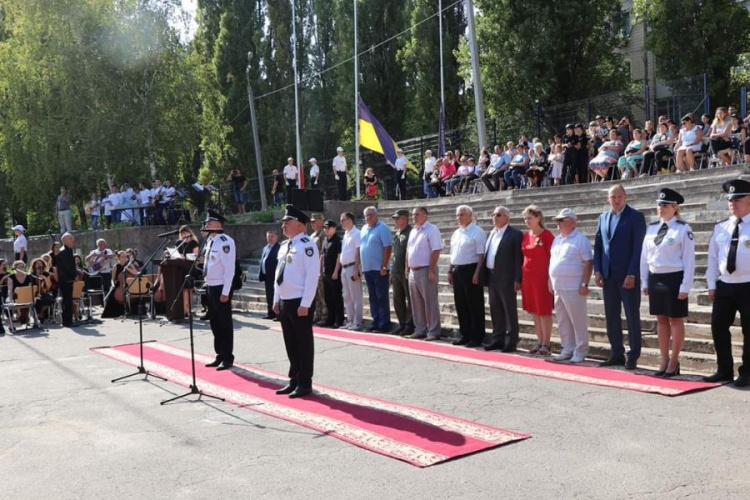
(189, 6)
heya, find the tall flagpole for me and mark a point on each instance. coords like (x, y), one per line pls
(440, 29)
(300, 162)
(356, 100)
(475, 76)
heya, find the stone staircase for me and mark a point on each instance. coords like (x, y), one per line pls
(703, 207)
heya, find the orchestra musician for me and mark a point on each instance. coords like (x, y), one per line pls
(4, 276)
(99, 262)
(42, 288)
(188, 248)
(18, 279)
(115, 300)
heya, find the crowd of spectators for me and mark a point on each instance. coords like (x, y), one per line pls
(606, 149)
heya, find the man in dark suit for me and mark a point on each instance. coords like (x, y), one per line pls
(617, 257)
(66, 272)
(502, 262)
(268, 263)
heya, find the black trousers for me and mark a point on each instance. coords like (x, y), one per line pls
(504, 313)
(494, 181)
(222, 326)
(66, 292)
(332, 290)
(269, 295)
(298, 340)
(342, 185)
(730, 299)
(289, 187)
(400, 182)
(469, 303)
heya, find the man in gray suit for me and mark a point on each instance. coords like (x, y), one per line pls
(502, 261)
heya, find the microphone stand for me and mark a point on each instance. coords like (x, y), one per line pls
(187, 284)
(141, 370)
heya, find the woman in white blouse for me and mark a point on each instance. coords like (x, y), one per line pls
(689, 143)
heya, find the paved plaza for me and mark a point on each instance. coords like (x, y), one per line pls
(66, 432)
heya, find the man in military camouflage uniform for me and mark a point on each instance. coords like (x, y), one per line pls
(318, 236)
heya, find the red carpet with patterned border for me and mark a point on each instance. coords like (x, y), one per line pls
(419, 437)
(638, 380)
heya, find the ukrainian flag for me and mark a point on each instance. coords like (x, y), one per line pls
(373, 136)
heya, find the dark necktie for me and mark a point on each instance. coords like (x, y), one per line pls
(661, 234)
(732, 257)
(207, 256)
(282, 265)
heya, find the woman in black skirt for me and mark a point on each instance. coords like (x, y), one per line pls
(667, 268)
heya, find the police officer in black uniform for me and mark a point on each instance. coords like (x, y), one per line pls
(728, 276)
(218, 270)
(297, 275)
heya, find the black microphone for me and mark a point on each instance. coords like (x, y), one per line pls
(168, 233)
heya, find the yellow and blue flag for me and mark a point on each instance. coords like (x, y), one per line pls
(373, 136)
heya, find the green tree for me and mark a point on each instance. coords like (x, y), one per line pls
(689, 38)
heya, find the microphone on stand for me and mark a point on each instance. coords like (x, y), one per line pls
(168, 233)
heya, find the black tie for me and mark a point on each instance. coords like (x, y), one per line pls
(207, 256)
(661, 234)
(282, 265)
(732, 257)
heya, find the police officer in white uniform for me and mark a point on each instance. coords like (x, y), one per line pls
(294, 300)
(339, 173)
(218, 269)
(399, 173)
(290, 178)
(728, 277)
(314, 173)
(667, 270)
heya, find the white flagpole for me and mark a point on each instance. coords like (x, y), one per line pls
(440, 29)
(475, 76)
(356, 101)
(300, 162)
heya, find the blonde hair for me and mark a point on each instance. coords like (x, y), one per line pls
(535, 211)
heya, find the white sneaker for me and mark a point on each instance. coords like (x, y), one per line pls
(562, 356)
(577, 359)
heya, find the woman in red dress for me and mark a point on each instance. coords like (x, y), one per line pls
(536, 296)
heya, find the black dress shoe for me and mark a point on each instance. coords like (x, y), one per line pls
(719, 377)
(287, 389)
(493, 346)
(398, 330)
(300, 392)
(742, 381)
(334, 326)
(631, 364)
(473, 343)
(614, 361)
(213, 364)
(324, 324)
(224, 366)
(460, 342)
(508, 348)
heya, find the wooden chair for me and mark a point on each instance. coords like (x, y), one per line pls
(24, 300)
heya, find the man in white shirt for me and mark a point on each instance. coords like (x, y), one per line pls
(570, 268)
(290, 179)
(314, 173)
(349, 268)
(422, 254)
(467, 255)
(339, 173)
(144, 198)
(399, 174)
(157, 198)
(429, 168)
(170, 193)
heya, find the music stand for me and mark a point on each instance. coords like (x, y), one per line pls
(187, 284)
(141, 370)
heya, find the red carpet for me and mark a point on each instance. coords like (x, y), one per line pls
(587, 374)
(419, 437)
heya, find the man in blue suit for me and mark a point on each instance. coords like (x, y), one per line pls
(617, 257)
(267, 272)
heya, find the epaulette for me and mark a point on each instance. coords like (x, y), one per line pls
(655, 223)
(223, 238)
(305, 239)
(680, 221)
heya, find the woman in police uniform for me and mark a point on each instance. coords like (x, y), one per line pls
(667, 268)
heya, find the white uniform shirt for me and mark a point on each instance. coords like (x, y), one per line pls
(350, 246)
(218, 268)
(568, 256)
(467, 245)
(290, 173)
(675, 253)
(429, 165)
(423, 240)
(718, 252)
(493, 241)
(301, 270)
(339, 163)
(20, 243)
(400, 165)
(314, 171)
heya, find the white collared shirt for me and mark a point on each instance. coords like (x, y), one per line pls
(350, 246)
(718, 253)
(169, 194)
(493, 241)
(290, 172)
(339, 163)
(400, 164)
(220, 254)
(467, 245)
(569, 254)
(675, 253)
(301, 268)
(20, 243)
(314, 170)
(423, 240)
(429, 165)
